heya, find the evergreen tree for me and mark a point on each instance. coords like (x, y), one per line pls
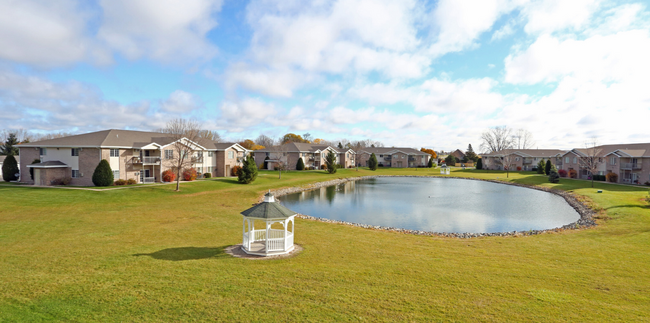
(248, 173)
(470, 154)
(540, 167)
(430, 165)
(547, 167)
(372, 162)
(10, 169)
(31, 170)
(300, 165)
(330, 161)
(553, 177)
(450, 160)
(479, 163)
(340, 145)
(9, 147)
(103, 175)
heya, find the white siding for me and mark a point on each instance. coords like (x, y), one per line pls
(63, 155)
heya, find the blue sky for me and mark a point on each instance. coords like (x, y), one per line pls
(408, 73)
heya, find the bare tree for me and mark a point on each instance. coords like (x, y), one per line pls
(264, 140)
(496, 139)
(590, 162)
(210, 135)
(522, 139)
(281, 158)
(506, 161)
(184, 134)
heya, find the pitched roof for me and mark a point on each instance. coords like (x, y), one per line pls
(269, 210)
(119, 139)
(49, 164)
(540, 153)
(392, 150)
(300, 147)
(624, 150)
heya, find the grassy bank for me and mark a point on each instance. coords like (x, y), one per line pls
(152, 254)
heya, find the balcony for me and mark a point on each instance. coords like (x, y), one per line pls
(146, 160)
(387, 158)
(527, 162)
(631, 166)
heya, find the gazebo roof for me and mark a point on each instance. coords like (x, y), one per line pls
(269, 209)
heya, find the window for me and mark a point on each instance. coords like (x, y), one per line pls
(75, 173)
(199, 156)
(575, 160)
(199, 169)
(403, 156)
(381, 156)
(75, 152)
(612, 160)
(43, 151)
(231, 154)
(169, 154)
(516, 158)
(566, 159)
(115, 152)
(116, 174)
(210, 153)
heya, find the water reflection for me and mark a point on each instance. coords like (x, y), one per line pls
(435, 204)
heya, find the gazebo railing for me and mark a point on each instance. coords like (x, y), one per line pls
(275, 241)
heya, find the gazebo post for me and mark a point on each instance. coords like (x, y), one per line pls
(285, 223)
(266, 242)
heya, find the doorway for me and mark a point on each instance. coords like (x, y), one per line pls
(37, 176)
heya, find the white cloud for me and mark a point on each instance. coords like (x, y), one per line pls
(166, 31)
(272, 82)
(503, 32)
(180, 102)
(547, 16)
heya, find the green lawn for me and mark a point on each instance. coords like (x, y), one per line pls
(152, 254)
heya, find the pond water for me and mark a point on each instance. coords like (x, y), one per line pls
(435, 204)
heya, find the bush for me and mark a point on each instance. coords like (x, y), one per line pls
(601, 178)
(323, 166)
(66, 180)
(451, 160)
(553, 177)
(56, 181)
(168, 176)
(647, 183)
(300, 165)
(207, 175)
(189, 174)
(372, 162)
(573, 173)
(518, 168)
(120, 182)
(10, 169)
(540, 167)
(103, 175)
(131, 181)
(612, 177)
(339, 166)
(248, 174)
(479, 163)
(562, 173)
(235, 171)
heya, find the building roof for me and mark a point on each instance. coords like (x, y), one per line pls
(49, 164)
(623, 150)
(115, 138)
(269, 210)
(392, 150)
(299, 147)
(539, 153)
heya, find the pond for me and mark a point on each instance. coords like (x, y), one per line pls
(435, 204)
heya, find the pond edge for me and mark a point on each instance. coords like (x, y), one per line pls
(586, 219)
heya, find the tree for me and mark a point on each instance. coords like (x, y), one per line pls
(340, 145)
(210, 135)
(184, 133)
(31, 170)
(330, 161)
(590, 161)
(103, 174)
(506, 161)
(279, 154)
(430, 152)
(9, 146)
(257, 147)
(10, 169)
(522, 139)
(300, 165)
(450, 160)
(264, 140)
(496, 139)
(470, 154)
(291, 137)
(541, 167)
(553, 177)
(547, 167)
(306, 137)
(430, 164)
(248, 144)
(248, 173)
(479, 163)
(372, 162)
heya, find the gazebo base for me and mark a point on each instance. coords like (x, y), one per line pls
(259, 249)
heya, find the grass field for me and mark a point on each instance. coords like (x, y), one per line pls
(152, 254)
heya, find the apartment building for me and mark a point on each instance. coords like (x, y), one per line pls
(394, 157)
(313, 155)
(522, 159)
(138, 155)
(631, 162)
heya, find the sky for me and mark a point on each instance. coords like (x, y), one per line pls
(407, 73)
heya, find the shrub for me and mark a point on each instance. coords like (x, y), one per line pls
(207, 175)
(168, 176)
(548, 167)
(518, 168)
(600, 178)
(300, 165)
(189, 174)
(66, 180)
(56, 181)
(612, 177)
(131, 181)
(647, 198)
(647, 183)
(553, 177)
(479, 163)
(540, 167)
(330, 161)
(372, 162)
(562, 173)
(430, 163)
(248, 174)
(103, 175)
(235, 171)
(573, 173)
(323, 166)
(120, 182)
(31, 170)
(10, 169)
(451, 160)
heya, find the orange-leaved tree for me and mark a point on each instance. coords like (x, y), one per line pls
(430, 152)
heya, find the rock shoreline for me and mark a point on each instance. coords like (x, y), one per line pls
(586, 214)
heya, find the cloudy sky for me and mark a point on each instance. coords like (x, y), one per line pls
(405, 72)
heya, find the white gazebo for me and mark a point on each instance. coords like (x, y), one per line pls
(268, 241)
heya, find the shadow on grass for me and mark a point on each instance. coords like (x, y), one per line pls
(186, 253)
(627, 206)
